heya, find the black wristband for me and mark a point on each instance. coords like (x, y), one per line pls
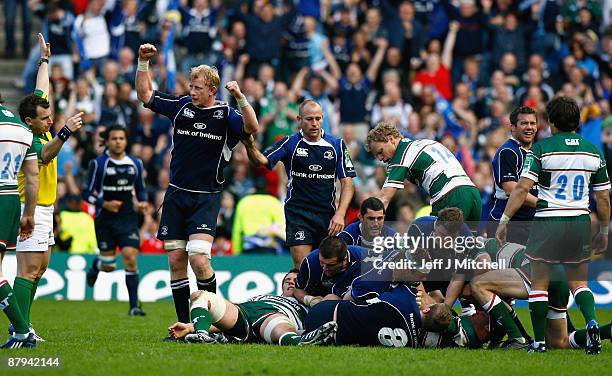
(64, 133)
(43, 60)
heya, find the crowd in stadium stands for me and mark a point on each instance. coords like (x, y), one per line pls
(449, 70)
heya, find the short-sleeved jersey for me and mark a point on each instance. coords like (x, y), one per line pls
(507, 166)
(429, 165)
(287, 306)
(203, 141)
(15, 147)
(47, 173)
(312, 169)
(564, 166)
(110, 179)
(312, 279)
(352, 235)
(397, 295)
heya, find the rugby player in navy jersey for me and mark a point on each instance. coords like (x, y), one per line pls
(507, 167)
(205, 133)
(327, 272)
(111, 179)
(371, 224)
(313, 161)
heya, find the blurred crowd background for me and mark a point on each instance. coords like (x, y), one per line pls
(449, 70)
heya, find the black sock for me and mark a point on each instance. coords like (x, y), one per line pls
(131, 281)
(180, 295)
(209, 284)
(520, 326)
(570, 325)
(94, 265)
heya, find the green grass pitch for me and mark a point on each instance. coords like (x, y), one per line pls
(98, 338)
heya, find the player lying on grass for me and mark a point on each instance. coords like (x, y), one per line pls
(379, 308)
(263, 319)
(515, 283)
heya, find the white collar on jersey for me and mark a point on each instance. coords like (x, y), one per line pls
(321, 142)
(518, 143)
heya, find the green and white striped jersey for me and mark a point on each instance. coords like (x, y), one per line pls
(428, 164)
(15, 147)
(288, 306)
(564, 166)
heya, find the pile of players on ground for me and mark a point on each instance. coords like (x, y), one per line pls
(350, 295)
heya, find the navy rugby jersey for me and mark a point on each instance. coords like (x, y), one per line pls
(312, 169)
(507, 166)
(352, 235)
(368, 290)
(110, 179)
(312, 279)
(203, 141)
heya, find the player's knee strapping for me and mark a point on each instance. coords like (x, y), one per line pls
(279, 320)
(213, 303)
(556, 313)
(199, 247)
(107, 262)
(170, 245)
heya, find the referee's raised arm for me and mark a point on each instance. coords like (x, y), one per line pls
(144, 84)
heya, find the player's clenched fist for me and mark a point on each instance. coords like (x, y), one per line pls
(146, 51)
(234, 89)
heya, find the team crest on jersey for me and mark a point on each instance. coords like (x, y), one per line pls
(188, 113)
(328, 155)
(218, 114)
(300, 235)
(164, 230)
(347, 159)
(301, 152)
(199, 126)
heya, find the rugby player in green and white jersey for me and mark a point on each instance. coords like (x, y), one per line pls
(15, 154)
(269, 319)
(429, 165)
(514, 282)
(564, 166)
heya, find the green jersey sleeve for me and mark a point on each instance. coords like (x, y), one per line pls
(396, 174)
(532, 166)
(600, 178)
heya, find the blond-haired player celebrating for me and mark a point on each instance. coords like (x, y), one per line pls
(205, 132)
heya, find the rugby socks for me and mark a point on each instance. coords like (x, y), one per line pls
(585, 301)
(519, 325)
(131, 282)
(180, 295)
(8, 303)
(538, 308)
(95, 265)
(578, 339)
(498, 311)
(201, 319)
(209, 284)
(570, 325)
(23, 293)
(289, 339)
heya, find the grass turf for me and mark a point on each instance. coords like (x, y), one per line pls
(98, 338)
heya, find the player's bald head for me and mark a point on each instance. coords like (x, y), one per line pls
(309, 105)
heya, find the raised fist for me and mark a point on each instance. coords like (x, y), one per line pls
(146, 51)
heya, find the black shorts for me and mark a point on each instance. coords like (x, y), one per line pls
(185, 213)
(372, 325)
(320, 314)
(117, 232)
(306, 227)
